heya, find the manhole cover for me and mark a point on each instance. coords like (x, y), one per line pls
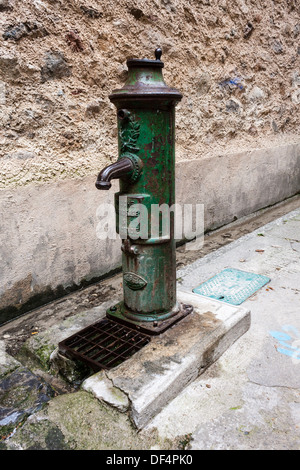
(232, 286)
(103, 345)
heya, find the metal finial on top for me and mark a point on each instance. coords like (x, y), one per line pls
(158, 53)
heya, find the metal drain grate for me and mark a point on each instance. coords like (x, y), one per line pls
(103, 345)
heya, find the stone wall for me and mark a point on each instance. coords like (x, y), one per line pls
(236, 63)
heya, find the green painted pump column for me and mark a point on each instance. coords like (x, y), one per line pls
(146, 171)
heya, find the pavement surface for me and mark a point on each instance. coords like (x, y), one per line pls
(247, 399)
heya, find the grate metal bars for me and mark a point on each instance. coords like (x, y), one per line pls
(103, 345)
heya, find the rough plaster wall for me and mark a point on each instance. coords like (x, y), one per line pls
(235, 61)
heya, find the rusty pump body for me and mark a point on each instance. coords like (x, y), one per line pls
(146, 171)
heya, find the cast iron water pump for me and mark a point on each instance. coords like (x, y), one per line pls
(146, 170)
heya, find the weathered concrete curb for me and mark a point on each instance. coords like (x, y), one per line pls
(103, 389)
(162, 369)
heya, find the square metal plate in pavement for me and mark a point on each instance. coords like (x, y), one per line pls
(232, 286)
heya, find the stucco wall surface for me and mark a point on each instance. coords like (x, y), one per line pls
(236, 63)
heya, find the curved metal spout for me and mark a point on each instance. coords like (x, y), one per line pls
(123, 167)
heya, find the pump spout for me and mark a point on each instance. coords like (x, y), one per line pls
(124, 167)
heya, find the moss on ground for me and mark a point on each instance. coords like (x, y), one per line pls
(78, 421)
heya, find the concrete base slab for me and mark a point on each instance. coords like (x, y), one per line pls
(144, 384)
(163, 368)
(155, 375)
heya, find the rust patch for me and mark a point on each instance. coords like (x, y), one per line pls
(208, 320)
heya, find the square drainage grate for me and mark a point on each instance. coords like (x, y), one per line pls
(232, 286)
(103, 345)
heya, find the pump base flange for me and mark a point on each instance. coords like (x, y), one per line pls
(154, 327)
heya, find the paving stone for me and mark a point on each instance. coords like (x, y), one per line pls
(21, 394)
